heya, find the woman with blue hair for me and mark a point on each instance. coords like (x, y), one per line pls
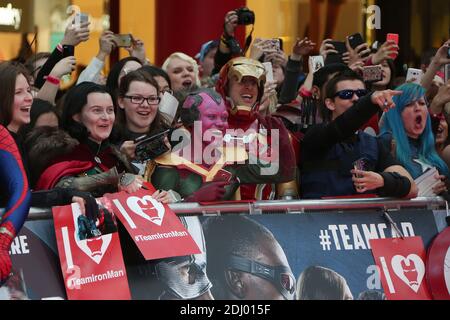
(409, 127)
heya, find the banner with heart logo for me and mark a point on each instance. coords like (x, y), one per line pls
(90, 255)
(154, 227)
(402, 267)
(438, 266)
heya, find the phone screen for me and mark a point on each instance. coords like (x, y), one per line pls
(123, 40)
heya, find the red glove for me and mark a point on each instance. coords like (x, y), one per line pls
(7, 235)
(209, 192)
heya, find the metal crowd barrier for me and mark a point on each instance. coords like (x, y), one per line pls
(288, 207)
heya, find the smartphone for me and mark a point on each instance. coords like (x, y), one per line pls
(269, 71)
(448, 52)
(414, 75)
(447, 73)
(123, 40)
(317, 63)
(81, 18)
(355, 40)
(68, 51)
(393, 37)
(373, 73)
(339, 46)
(223, 175)
(276, 44)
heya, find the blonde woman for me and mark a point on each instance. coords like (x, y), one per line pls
(183, 72)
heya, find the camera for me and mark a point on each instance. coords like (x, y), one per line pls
(245, 16)
(149, 148)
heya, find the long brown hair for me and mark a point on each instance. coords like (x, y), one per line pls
(9, 71)
(160, 123)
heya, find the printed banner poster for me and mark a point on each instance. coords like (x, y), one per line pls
(36, 272)
(332, 242)
(402, 265)
(288, 256)
(153, 226)
(91, 262)
(438, 266)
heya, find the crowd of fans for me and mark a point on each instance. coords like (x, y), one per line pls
(320, 132)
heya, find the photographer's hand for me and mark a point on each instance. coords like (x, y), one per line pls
(63, 67)
(384, 52)
(358, 53)
(260, 47)
(302, 48)
(231, 23)
(326, 48)
(73, 35)
(137, 50)
(128, 148)
(438, 61)
(106, 44)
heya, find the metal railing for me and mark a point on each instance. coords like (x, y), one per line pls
(289, 207)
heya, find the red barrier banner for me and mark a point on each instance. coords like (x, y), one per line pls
(402, 267)
(154, 227)
(438, 266)
(92, 266)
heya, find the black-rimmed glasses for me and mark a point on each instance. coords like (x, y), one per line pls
(152, 100)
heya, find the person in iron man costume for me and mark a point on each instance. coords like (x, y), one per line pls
(241, 84)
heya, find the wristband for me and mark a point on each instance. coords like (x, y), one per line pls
(52, 80)
(305, 93)
(395, 185)
(126, 179)
(60, 48)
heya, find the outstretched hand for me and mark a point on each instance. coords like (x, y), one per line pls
(384, 98)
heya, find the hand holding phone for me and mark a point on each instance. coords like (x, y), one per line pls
(269, 71)
(414, 75)
(373, 73)
(395, 38)
(355, 40)
(123, 40)
(68, 51)
(316, 63)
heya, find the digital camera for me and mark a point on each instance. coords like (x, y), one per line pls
(245, 16)
(149, 148)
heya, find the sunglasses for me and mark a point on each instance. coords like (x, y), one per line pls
(348, 94)
(280, 276)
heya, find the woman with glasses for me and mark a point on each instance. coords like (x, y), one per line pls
(138, 117)
(94, 165)
(409, 126)
(338, 159)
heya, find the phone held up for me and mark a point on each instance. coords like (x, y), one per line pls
(68, 51)
(123, 40)
(393, 37)
(372, 73)
(149, 148)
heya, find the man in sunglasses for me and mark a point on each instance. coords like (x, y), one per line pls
(250, 264)
(337, 159)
